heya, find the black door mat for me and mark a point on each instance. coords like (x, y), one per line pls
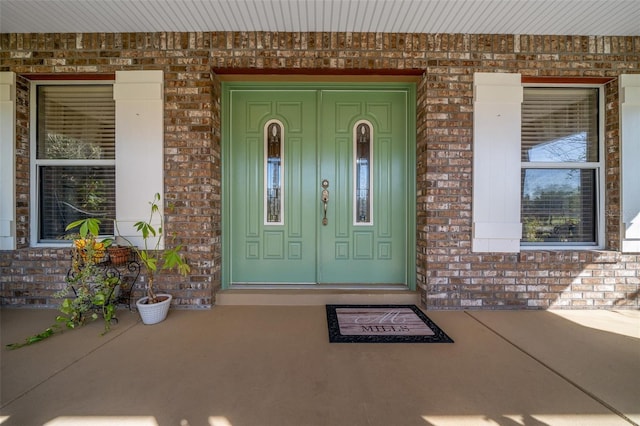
(382, 324)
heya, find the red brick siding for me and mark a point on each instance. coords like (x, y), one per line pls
(448, 274)
(612, 158)
(22, 165)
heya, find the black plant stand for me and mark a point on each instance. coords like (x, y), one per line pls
(126, 271)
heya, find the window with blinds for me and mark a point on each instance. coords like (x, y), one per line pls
(75, 157)
(560, 166)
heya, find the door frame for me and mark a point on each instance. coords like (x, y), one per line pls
(410, 176)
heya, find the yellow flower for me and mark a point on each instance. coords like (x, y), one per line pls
(98, 249)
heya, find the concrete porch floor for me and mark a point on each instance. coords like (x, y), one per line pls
(274, 365)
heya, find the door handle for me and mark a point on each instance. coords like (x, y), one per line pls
(325, 200)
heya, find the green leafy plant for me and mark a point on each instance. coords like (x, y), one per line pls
(151, 256)
(89, 292)
(36, 337)
(94, 290)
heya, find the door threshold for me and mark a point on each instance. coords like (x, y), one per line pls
(319, 287)
(316, 295)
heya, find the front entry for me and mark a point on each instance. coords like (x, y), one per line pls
(319, 185)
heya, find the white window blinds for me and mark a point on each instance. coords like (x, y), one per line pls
(560, 165)
(75, 156)
(560, 125)
(76, 122)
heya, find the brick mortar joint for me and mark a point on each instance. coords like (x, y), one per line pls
(575, 256)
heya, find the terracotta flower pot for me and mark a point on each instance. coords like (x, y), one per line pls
(119, 255)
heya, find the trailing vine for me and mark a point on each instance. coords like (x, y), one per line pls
(89, 293)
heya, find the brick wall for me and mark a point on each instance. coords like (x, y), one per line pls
(191, 151)
(449, 275)
(612, 152)
(23, 128)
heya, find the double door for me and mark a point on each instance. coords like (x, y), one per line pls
(319, 186)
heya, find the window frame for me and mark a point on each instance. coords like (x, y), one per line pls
(36, 164)
(598, 167)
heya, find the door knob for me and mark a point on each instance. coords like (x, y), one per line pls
(325, 200)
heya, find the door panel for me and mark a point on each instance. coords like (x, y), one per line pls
(262, 252)
(364, 253)
(318, 144)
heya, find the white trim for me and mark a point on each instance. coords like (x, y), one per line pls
(133, 91)
(629, 162)
(354, 193)
(7, 160)
(139, 97)
(282, 174)
(496, 162)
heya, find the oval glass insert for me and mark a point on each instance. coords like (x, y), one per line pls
(274, 145)
(363, 145)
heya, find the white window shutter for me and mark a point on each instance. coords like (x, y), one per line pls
(139, 147)
(496, 162)
(630, 161)
(7, 160)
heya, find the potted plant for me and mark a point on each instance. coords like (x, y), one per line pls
(95, 290)
(153, 307)
(90, 291)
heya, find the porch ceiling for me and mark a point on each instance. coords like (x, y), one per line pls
(570, 17)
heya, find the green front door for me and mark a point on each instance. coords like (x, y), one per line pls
(319, 185)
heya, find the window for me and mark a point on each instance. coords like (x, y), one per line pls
(561, 166)
(363, 149)
(74, 156)
(274, 172)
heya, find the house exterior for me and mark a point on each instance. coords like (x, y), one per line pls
(463, 177)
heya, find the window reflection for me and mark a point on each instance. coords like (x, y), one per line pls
(560, 125)
(558, 205)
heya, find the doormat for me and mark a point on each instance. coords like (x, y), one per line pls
(382, 324)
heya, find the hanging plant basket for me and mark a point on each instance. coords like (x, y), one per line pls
(119, 255)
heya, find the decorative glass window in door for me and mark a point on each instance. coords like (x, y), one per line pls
(273, 172)
(363, 148)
